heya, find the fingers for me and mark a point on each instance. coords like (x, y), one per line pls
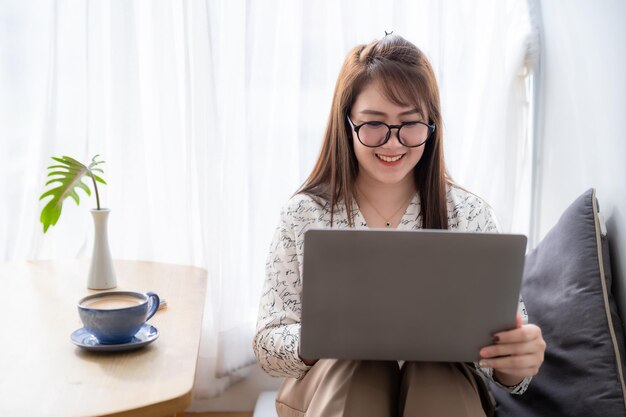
(519, 365)
(518, 352)
(518, 335)
(521, 341)
(494, 351)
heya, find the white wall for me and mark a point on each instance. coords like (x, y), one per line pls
(583, 115)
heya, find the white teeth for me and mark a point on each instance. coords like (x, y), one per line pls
(389, 158)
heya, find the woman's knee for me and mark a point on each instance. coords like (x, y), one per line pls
(332, 385)
(377, 369)
(430, 388)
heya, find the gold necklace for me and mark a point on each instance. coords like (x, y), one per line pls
(387, 220)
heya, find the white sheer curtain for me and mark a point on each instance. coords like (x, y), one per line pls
(209, 115)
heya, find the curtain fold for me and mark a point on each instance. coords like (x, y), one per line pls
(209, 115)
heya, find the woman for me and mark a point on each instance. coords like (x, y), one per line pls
(381, 166)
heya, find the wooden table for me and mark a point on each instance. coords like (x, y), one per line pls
(43, 374)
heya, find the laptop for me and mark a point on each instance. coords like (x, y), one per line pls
(427, 295)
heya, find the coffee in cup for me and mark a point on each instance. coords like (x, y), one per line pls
(114, 317)
(112, 302)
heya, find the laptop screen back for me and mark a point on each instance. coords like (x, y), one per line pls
(407, 295)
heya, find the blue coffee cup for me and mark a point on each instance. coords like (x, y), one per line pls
(114, 317)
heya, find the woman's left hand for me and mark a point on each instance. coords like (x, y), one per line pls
(515, 354)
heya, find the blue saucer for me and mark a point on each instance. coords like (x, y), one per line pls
(147, 334)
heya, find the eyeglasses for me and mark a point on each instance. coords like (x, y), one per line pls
(375, 134)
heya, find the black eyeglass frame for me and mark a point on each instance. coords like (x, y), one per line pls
(356, 128)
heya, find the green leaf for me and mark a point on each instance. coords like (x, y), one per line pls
(99, 179)
(67, 176)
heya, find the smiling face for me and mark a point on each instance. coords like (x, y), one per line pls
(392, 163)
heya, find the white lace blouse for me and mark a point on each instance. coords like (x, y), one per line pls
(277, 339)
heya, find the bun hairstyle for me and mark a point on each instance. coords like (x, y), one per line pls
(407, 79)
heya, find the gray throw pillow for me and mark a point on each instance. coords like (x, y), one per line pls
(567, 291)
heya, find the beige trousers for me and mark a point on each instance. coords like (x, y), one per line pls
(344, 388)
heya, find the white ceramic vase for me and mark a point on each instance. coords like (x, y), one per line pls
(101, 272)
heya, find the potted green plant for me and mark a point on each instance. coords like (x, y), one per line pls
(67, 176)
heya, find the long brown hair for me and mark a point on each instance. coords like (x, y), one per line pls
(407, 79)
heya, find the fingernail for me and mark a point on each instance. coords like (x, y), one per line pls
(483, 364)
